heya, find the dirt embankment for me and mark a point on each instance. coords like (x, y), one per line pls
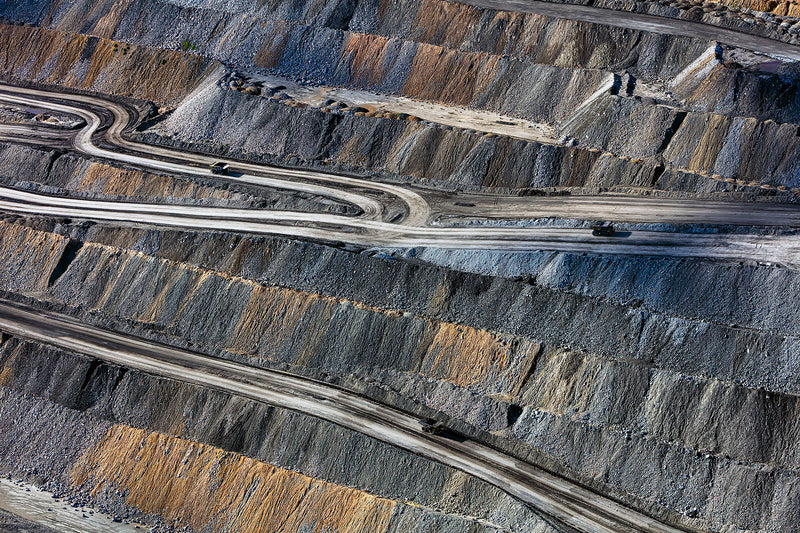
(610, 392)
(788, 8)
(207, 488)
(136, 445)
(608, 155)
(96, 64)
(233, 34)
(70, 174)
(50, 171)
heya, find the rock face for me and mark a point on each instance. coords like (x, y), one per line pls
(228, 482)
(670, 385)
(629, 148)
(137, 462)
(650, 399)
(54, 172)
(509, 63)
(397, 147)
(84, 62)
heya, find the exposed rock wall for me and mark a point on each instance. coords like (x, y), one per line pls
(70, 174)
(218, 462)
(438, 69)
(82, 62)
(748, 149)
(209, 489)
(540, 92)
(675, 397)
(29, 258)
(743, 148)
(647, 390)
(404, 148)
(361, 43)
(285, 325)
(739, 93)
(234, 32)
(753, 296)
(631, 145)
(788, 8)
(439, 294)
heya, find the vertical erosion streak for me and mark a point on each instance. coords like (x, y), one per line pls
(201, 486)
(68, 255)
(670, 133)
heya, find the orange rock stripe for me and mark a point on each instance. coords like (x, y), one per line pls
(197, 485)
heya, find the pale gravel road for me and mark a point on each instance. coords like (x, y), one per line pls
(558, 498)
(415, 229)
(565, 501)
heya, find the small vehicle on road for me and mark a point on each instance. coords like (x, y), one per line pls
(218, 167)
(602, 228)
(433, 427)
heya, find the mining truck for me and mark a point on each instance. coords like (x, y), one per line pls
(218, 167)
(432, 427)
(602, 228)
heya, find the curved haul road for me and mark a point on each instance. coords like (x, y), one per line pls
(564, 501)
(568, 503)
(370, 229)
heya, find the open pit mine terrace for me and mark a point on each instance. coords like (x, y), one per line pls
(365, 266)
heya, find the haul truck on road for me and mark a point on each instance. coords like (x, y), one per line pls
(432, 427)
(218, 167)
(602, 228)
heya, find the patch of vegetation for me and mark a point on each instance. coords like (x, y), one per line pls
(186, 45)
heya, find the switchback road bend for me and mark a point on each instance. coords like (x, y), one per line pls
(416, 228)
